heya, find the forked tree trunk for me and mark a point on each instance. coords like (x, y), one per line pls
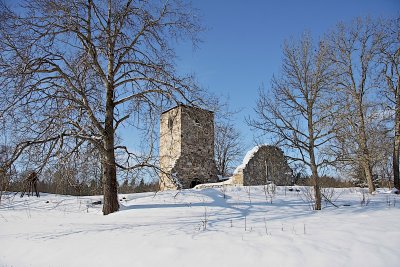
(366, 163)
(368, 176)
(362, 136)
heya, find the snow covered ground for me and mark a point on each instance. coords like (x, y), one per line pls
(202, 228)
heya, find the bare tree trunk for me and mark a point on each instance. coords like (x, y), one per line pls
(3, 183)
(362, 135)
(313, 164)
(110, 169)
(110, 186)
(368, 176)
(317, 189)
(396, 145)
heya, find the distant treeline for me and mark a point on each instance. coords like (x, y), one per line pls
(64, 185)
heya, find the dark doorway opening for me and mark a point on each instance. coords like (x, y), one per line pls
(194, 183)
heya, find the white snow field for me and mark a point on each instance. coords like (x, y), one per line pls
(202, 228)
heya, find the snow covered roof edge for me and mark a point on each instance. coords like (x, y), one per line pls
(249, 155)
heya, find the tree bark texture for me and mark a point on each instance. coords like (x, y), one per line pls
(110, 171)
(313, 164)
(396, 145)
(365, 153)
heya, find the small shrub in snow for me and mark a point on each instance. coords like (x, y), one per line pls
(265, 225)
(330, 196)
(308, 196)
(223, 190)
(248, 191)
(269, 191)
(364, 199)
(202, 226)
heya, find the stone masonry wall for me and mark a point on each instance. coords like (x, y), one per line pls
(187, 147)
(170, 145)
(267, 164)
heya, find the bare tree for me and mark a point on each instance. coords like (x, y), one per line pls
(353, 49)
(390, 59)
(73, 72)
(345, 147)
(296, 111)
(228, 147)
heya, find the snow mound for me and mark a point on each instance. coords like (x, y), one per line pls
(231, 226)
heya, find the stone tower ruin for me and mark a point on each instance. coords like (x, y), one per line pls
(186, 148)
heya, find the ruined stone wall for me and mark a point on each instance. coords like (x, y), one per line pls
(187, 147)
(267, 164)
(170, 145)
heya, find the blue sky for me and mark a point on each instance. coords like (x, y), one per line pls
(242, 47)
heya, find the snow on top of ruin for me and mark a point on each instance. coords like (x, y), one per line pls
(249, 155)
